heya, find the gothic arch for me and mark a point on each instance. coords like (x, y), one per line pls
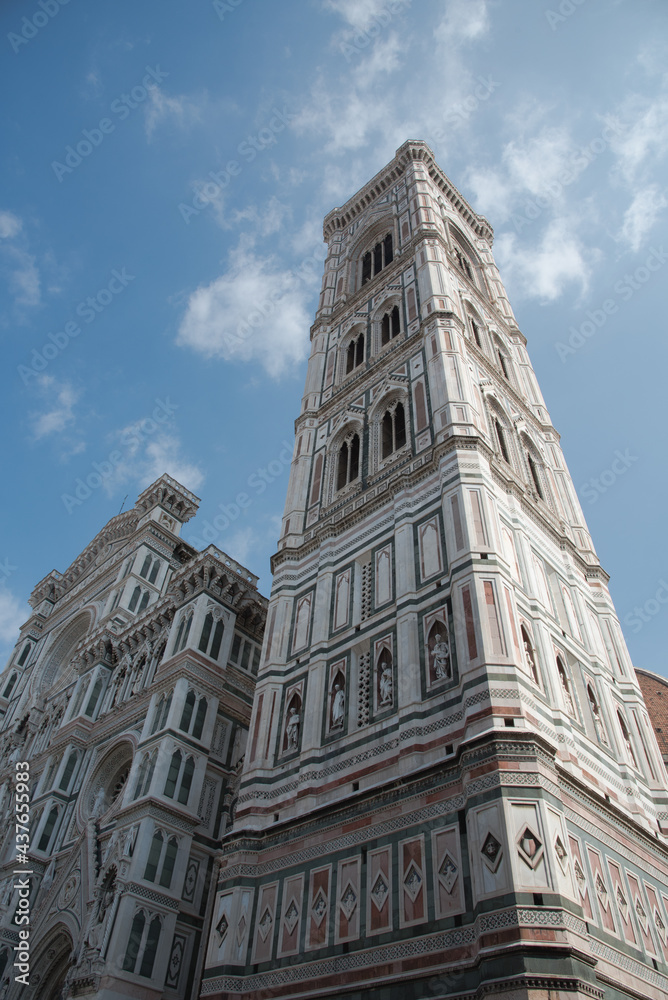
(387, 402)
(369, 235)
(109, 775)
(344, 435)
(57, 668)
(352, 336)
(475, 326)
(463, 248)
(51, 963)
(381, 309)
(501, 431)
(535, 473)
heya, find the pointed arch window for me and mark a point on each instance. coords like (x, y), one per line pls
(355, 354)
(348, 468)
(151, 948)
(374, 260)
(24, 655)
(393, 430)
(503, 363)
(69, 771)
(183, 632)
(390, 326)
(533, 470)
(476, 332)
(596, 716)
(47, 829)
(565, 688)
(134, 600)
(626, 736)
(173, 774)
(94, 698)
(144, 602)
(9, 687)
(211, 637)
(154, 855)
(186, 715)
(529, 655)
(464, 263)
(501, 438)
(134, 941)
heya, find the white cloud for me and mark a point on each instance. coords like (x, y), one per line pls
(646, 136)
(267, 220)
(13, 613)
(18, 265)
(10, 225)
(160, 107)
(253, 312)
(163, 455)
(60, 415)
(641, 215)
(544, 271)
(148, 450)
(464, 21)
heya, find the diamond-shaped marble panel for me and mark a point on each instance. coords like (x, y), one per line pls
(413, 881)
(379, 891)
(348, 901)
(448, 872)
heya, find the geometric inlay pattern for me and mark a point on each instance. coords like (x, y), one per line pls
(319, 908)
(491, 852)
(529, 847)
(448, 872)
(413, 881)
(348, 901)
(265, 924)
(562, 853)
(291, 916)
(601, 891)
(379, 891)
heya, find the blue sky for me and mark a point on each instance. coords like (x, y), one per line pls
(166, 167)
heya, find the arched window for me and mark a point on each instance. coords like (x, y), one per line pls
(134, 941)
(134, 599)
(9, 687)
(207, 643)
(173, 774)
(146, 567)
(94, 696)
(464, 263)
(187, 714)
(69, 771)
(501, 438)
(393, 430)
(355, 354)
(199, 718)
(529, 655)
(152, 939)
(476, 332)
(186, 781)
(171, 851)
(503, 362)
(377, 258)
(348, 468)
(183, 632)
(143, 602)
(141, 776)
(155, 569)
(596, 716)
(47, 829)
(154, 854)
(566, 691)
(626, 736)
(390, 326)
(534, 476)
(24, 655)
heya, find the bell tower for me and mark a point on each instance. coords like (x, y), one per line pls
(451, 785)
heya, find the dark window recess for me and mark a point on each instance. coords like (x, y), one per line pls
(534, 475)
(349, 462)
(501, 438)
(393, 430)
(366, 268)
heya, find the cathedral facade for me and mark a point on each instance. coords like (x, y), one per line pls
(451, 786)
(125, 712)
